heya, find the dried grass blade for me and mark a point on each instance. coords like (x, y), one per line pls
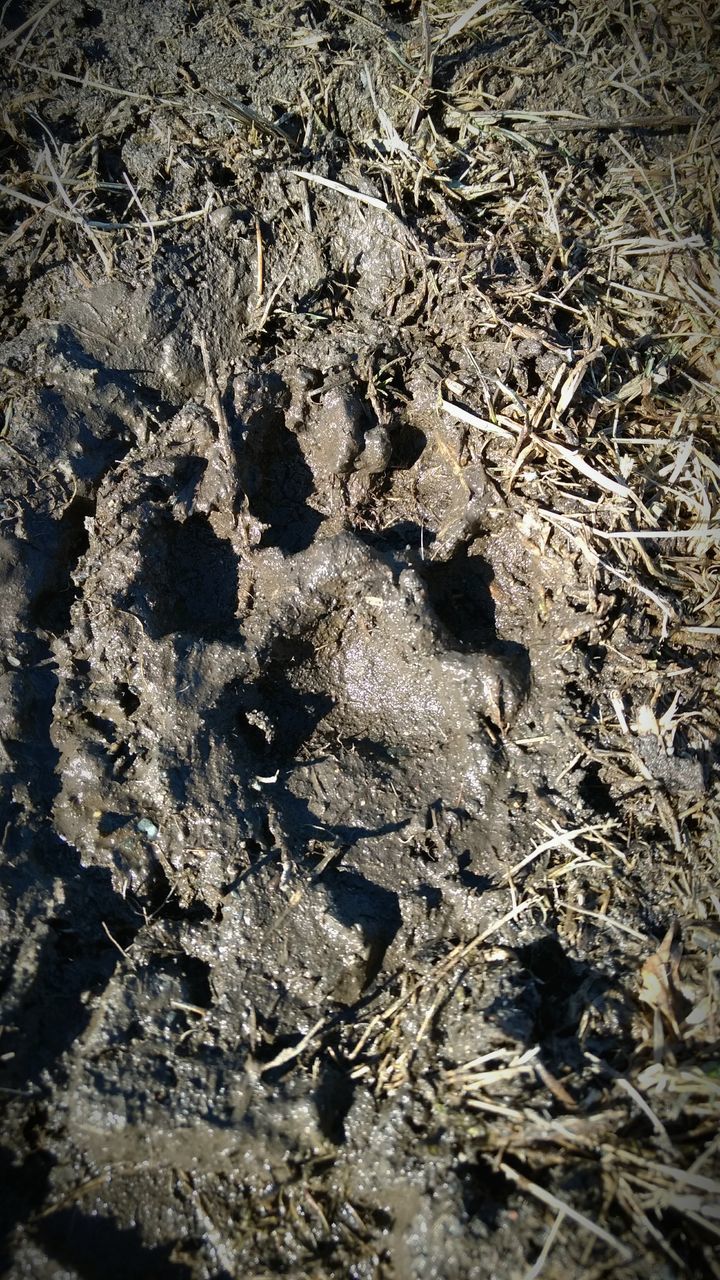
(248, 115)
(34, 203)
(472, 420)
(82, 222)
(87, 82)
(559, 840)
(462, 20)
(711, 532)
(576, 460)
(570, 122)
(94, 224)
(554, 1202)
(373, 201)
(292, 1051)
(571, 456)
(34, 18)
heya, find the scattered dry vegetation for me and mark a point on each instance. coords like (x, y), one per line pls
(550, 173)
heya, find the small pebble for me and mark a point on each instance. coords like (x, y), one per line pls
(146, 828)
(223, 217)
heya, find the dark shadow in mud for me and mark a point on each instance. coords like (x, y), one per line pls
(469, 879)
(301, 825)
(33, 761)
(404, 535)
(189, 974)
(265, 725)
(357, 902)
(77, 959)
(375, 910)
(24, 1189)
(98, 1249)
(401, 12)
(160, 899)
(459, 591)
(407, 444)
(548, 1003)
(431, 895)
(31, 848)
(278, 482)
(53, 544)
(347, 836)
(374, 751)
(556, 978)
(111, 822)
(333, 1098)
(93, 454)
(267, 722)
(485, 1192)
(66, 540)
(188, 581)
(32, 755)
(295, 714)
(596, 792)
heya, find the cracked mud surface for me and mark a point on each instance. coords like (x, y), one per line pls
(300, 697)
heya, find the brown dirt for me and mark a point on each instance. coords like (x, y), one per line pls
(359, 569)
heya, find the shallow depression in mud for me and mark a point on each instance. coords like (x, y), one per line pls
(188, 580)
(356, 765)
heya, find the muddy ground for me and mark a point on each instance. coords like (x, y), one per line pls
(358, 729)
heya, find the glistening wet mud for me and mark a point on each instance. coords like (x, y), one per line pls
(274, 736)
(323, 899)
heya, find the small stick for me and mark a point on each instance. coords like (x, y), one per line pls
(125, 954)
(260, 261)
(293, 1051)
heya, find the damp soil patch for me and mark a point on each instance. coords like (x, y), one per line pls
(358, 649)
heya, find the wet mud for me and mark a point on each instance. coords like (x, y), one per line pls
(289, 682)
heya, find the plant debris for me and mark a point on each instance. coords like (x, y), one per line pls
(359, 731)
